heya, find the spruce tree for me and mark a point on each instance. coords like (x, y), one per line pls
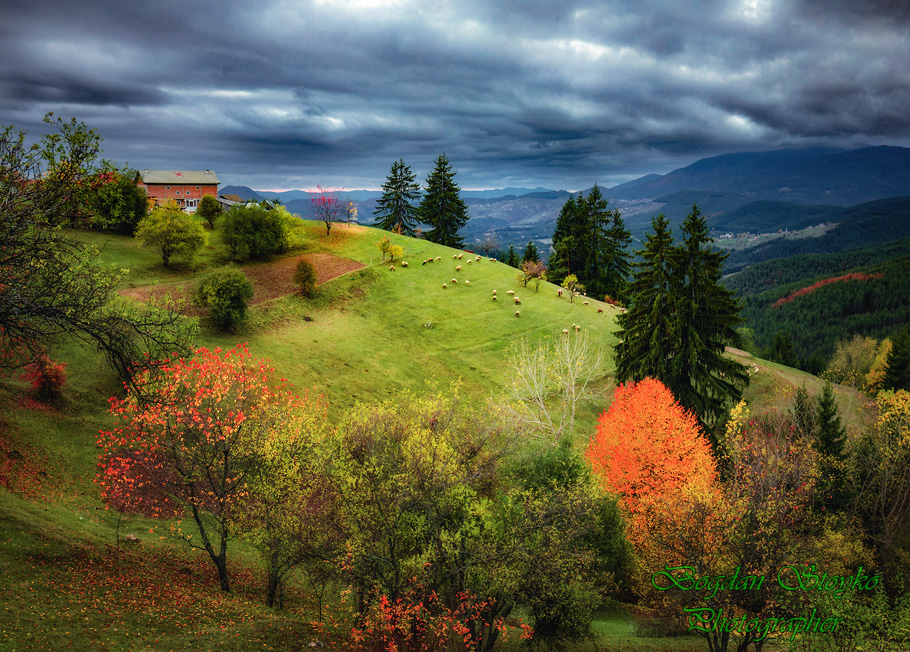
(563, 260)
(442, 207)
(648, 339)
(530, 254)
(830, 441)
(706, 316)
(512, 258)
(897, 372)
(395, 210)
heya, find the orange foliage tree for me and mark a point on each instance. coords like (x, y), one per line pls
(190, 439)
(647, 446)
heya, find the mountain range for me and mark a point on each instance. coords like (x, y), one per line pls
(749, 192)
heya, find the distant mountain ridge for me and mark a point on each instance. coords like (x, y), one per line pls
(802, 176)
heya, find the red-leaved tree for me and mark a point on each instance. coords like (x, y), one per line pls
(328, 208)
(189, 441)
(647, 446)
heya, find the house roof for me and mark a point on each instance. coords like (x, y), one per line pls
(177, 177)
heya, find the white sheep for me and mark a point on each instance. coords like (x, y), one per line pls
(565, 331)
(438, 257)
(458, 269)
(517, 313)
(494, 297)
(584, 303)
(444, 286)
(517, 301)
(469, 261)
(454, 256)
(467, 282)
(478, 259)
(391, 268)
(511, 292)
(460, 256)
(404, 264)
(559, 293)
(454, 281)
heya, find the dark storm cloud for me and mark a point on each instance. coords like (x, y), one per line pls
(539, 92)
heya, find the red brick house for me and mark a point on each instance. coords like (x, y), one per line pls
(184, 187)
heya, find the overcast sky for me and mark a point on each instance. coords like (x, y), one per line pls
(555, 93)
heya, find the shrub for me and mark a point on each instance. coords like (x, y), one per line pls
(46, 376)
(305, 277)
(254, 232)
(225, 293)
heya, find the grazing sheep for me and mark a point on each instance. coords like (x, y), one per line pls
(429, 260)
(478, 259)
(517, 301)
(391, 268)
(584, 303)
(559, 293)
(494, 297)
(404, 264)
(517, 313)
(565, 331)
(577, 328)
(454, 256)
(460, 256)
(493, 260)
(511, 292)
(467, 282)
(444, 286)
(458, 269)
(600, 310)
(424, 263)
(438, 257)
(454, 281)
(469, 261)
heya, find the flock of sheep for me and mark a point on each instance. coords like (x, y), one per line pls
(511, 293)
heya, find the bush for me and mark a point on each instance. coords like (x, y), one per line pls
(254, 232)
(305, 277)
(47, 377)
(225, 293)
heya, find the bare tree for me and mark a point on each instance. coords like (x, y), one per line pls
(548, 380)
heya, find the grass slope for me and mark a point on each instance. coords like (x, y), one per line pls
(366, 335)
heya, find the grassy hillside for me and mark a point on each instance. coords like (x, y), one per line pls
(368, 334)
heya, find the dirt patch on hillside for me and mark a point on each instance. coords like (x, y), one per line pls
(270, 281)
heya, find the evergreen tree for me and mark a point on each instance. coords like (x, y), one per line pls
(706, 316)
(590, 241)
(897, 372)
(647, 343)
(530, 255)
(803, 413)
(442, 207)
(512, 258)
(781, 350)
(395, 210)
(830, 442)
(563, 260)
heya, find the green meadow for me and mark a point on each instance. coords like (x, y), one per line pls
(78, 576)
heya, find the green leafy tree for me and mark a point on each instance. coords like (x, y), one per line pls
(530, 255)
(396, 210)
(172, 232)
(54, 286)
(254, 232)
(209, 209)
(442, 207)
(305, 276)
(897, 374)
(118, 203)
(225, 294)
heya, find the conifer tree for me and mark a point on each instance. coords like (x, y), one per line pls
(897, 372)
(647, 341)
(830, 442)
(395, 210)
(680, 320)
(442, 207)
(512, 258)
(706, 316)
(530, 255)
(563, 260)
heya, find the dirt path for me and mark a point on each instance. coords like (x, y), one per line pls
(270, 281)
